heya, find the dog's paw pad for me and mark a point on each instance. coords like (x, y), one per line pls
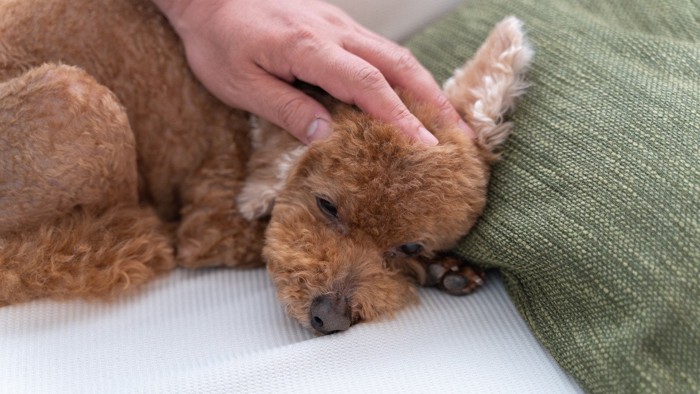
(434, 274)
(462, 282)
(452, 275)
(454, 282)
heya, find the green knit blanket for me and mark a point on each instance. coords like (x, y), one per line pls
(594, 213)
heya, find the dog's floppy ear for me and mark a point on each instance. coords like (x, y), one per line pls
(274, 153)
(484, 90)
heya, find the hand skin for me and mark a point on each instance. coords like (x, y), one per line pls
(248, 52)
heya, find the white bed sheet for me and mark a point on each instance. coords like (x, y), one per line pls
(222, 331)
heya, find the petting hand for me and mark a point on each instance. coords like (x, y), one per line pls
(248, 52)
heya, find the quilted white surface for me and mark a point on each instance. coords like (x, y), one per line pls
(222, 331)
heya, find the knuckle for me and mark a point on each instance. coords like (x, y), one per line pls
(400, 112)
(303, 34)
(336, 20)
(290, 109)
(303, 40)
(405, 60)
(370, 78)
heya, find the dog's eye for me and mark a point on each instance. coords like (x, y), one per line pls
(410, 249)
(327, 207)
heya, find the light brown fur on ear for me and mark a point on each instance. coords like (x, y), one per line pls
(485, 89)
(274, 154)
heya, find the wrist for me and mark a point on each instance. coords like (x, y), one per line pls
(172, 8)
(183, 13)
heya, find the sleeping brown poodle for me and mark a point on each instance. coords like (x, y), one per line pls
(116, 165)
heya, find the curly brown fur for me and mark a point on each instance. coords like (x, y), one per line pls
(115, 164)
(66, 142)
(84, 255)
(53, 157)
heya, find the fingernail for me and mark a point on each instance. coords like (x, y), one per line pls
(427, 137)
(466, 129)
(318, 129)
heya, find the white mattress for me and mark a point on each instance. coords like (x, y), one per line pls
(222, 331)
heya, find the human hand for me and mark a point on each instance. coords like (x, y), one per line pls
(248, 52)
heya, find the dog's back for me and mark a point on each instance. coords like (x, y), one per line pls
(101, 123)
(128, 46)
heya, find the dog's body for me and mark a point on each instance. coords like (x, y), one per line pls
(191, 152)
(120, 169)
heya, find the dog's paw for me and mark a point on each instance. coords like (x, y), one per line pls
(269, 171)
(452, 275)
(256, 200)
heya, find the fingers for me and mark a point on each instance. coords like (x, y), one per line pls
(277, 43)
(402, 70)
(351, 79)
(289, 108)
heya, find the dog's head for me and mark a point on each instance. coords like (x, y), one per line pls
(355, 214)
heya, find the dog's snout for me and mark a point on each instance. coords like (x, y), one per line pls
(330, 313)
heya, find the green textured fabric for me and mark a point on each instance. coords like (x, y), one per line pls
(594, 213)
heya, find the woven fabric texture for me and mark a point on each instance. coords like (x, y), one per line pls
(594, 213)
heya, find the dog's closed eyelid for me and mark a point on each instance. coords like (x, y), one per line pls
(327, 207)
(407, 250)
(411, 248)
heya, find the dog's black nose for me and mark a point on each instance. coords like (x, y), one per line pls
(330, 313)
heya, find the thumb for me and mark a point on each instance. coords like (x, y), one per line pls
(291, 109)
